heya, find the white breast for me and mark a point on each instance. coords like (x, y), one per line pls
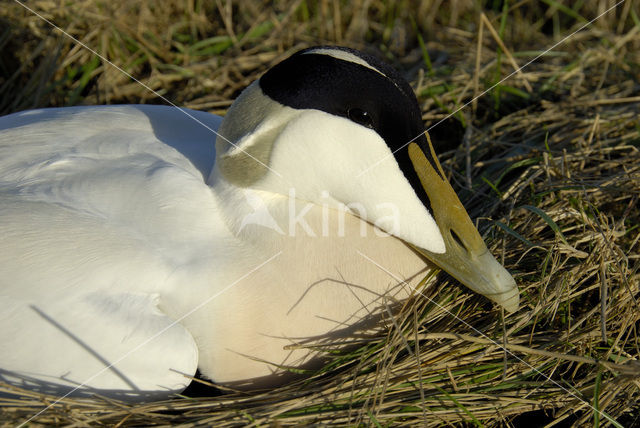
(314, 287)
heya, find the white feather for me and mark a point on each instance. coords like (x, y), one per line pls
(114, 250)
(97, 210)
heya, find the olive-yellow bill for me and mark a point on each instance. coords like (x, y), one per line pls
(466, 257)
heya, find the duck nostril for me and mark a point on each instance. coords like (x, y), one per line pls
(458, 240)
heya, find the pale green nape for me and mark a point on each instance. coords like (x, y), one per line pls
(252, 124)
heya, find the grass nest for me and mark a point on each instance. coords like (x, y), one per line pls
(546, 159)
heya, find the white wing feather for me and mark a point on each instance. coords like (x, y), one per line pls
(98, 208)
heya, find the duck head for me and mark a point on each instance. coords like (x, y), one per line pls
(341, 127)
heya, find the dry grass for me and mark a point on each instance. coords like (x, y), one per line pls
(548, 161)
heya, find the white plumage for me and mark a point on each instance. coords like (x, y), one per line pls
(128, 260)
(94, 217)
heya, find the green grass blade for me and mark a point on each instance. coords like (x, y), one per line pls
(493, 186)
(566, 10)
(514, 233)
(552, 224)
(596, 400)
(458, 404)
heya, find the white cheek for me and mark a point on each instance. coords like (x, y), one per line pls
(395, 206)
(319, 153)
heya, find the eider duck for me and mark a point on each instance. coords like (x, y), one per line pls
(134, 251)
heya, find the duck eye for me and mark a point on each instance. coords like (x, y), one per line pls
(360, 116)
